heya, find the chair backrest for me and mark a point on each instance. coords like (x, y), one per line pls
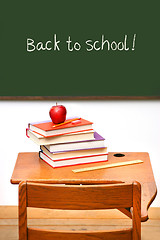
(80, 197)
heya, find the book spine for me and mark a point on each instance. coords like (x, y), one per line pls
(40, 153)
(27, 132)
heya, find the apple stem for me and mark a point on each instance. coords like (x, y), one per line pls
(56, 103)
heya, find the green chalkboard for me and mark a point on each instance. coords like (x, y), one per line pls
(79, 48)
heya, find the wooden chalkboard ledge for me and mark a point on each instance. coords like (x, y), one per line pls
(47, 98)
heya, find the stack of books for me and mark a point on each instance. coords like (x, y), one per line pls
(70, 143)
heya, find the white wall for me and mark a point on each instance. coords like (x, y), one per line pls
(126, 125)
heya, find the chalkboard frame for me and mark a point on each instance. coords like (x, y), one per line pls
(48, 98)
(126, 73)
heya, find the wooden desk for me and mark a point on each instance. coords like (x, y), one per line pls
(30, 167)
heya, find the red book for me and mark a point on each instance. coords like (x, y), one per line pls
(75, 161)
(48, 129)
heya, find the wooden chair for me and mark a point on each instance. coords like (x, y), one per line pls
(80, 197)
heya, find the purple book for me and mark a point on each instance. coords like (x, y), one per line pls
(97, 142)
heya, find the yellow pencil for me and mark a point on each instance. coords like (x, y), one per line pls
(71, 120)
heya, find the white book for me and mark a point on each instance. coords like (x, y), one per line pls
(73, 154)
(97, 142)
(40, 140)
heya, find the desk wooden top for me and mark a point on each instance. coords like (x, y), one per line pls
(30, 167)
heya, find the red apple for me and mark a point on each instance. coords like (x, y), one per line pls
(58, 114)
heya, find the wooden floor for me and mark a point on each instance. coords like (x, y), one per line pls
(83, 220)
